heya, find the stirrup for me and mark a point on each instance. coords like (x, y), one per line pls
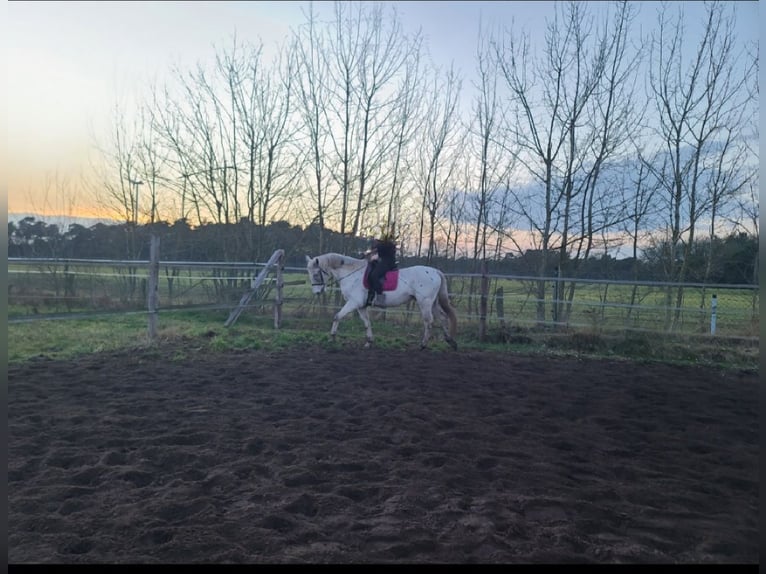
(380, 300)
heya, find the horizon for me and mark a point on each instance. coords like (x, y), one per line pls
(63, 221)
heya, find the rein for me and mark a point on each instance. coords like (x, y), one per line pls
(339, 279)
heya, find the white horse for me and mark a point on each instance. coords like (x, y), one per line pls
(426, 285)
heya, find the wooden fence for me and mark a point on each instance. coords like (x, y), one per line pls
(486, 302)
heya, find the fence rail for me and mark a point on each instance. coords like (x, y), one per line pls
(69, 288)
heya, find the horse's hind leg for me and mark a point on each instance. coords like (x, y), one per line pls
(444, 319)
(426, 311)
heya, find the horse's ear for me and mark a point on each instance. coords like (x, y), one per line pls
(308, 259)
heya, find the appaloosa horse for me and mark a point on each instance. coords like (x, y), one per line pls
(426, 285)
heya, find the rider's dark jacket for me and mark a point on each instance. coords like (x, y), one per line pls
(386, 251)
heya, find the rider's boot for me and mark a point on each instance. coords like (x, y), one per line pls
(370, 297)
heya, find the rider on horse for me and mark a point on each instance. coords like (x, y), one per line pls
(382, 256)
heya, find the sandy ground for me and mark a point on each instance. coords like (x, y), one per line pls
(309, 456)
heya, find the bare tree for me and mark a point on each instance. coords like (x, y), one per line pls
(641, 211)
(698, 106)
(168, 127)
(151, 165)
(125, 160)
(489, 147)
(194, 129)
(366, 54)
(541, 122)
(611, 116)
(457, 207)
(247, 75)
(436, 154)
(117, 195)
(230, 67)
(748, 201)
(309, 47)
(750, 217)
(572, 115)
(263, 103)
(344, 54)
(215, 126)
(281, 162)
(383, 56)
(406, 121)
(58, 196)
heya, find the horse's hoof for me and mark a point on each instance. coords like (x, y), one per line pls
(368, 344)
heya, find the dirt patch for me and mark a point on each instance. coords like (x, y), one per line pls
(313, 456)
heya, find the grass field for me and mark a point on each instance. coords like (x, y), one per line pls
(105, 307)
(204, 331)
(41, 290)
(618, 306)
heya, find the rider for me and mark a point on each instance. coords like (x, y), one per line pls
(382, 259)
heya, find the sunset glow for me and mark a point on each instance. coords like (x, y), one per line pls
(72, 66)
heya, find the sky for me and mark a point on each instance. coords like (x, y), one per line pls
(69, 63)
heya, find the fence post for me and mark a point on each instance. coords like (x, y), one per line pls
(254, 285)
(555, 302)
(713, 308)
(483, 301)
(152, 291)
(499, 307)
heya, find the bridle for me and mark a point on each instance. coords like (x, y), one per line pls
(321, 273)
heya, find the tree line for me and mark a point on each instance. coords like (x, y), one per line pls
(30, 238)
(598, 137)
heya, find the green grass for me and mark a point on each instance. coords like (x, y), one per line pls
(606, 307)
(70, 338)
(188, 333)
(40, 290)
(592, 329)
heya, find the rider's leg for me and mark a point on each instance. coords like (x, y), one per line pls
(380, 274)
(373, 281)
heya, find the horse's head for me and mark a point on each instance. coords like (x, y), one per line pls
(316, 274)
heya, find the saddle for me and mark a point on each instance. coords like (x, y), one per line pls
(390, 279)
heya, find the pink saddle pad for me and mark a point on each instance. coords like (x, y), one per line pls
(390, 280)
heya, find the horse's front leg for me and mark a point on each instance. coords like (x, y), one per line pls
(365, 316)
(345, 310)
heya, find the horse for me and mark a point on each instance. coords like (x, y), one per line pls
(426, 285)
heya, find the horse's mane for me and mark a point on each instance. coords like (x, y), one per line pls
(335, 260)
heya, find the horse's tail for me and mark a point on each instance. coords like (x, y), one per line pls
(445, 304)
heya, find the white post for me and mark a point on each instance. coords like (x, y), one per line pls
(278, 297)
(713, 306)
